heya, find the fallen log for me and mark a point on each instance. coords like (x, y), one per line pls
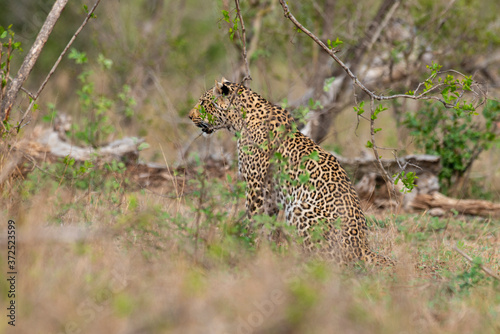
(462, 206)
(373, 192)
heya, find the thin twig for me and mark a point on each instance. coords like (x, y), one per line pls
(387, 178)
(30, 94)
(42, 86)
(468, 258)
(423, 96)
(244, 43)
(30, 59)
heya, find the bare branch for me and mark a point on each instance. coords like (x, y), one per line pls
(42, 86)
(422, 96)
(468, 258)
(30, 59)
(387, 178)
(244, 43)
(30, 94)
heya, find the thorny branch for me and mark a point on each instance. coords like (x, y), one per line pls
(42, 86)
(30, 60)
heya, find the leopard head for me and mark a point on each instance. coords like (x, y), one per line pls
(214, 110)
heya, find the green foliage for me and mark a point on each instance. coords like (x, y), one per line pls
(334, 44)
(233, 23)
(51, 114)
(95, 125)
(408, 180)
(377, 111)
(328, 84)
(8, 48)
(206, 115)
(78, 57)
(206, 197)
(471, 277)
(86, 10)
(128, 102)
(455, 134)
(106, 183)
(300, 113)
(360, 109)
(182, 51)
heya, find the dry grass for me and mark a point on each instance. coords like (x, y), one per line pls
(90, 264)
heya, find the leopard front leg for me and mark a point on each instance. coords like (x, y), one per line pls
(260, 198)
(253, 167)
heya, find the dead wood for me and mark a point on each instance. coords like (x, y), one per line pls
(462, 206)
(373, 192)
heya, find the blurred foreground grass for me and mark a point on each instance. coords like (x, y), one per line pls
(115, 260)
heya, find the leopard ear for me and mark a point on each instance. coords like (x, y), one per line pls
(217, 88)
(221, 88)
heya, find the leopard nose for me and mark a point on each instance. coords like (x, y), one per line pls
(193, 112)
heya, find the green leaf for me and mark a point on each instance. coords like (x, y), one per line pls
(304, 178)
(328, 84)
(334, 44)
(79, 57)
(369, 144)
(360, 110)
(377, 111)
(104, 62)
(68, 160)
(143, 146)
(225, 15)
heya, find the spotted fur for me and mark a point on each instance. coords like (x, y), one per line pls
(305, 180)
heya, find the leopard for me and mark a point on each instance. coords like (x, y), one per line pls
(286, 170)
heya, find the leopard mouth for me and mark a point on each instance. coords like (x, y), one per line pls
(205, 127)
